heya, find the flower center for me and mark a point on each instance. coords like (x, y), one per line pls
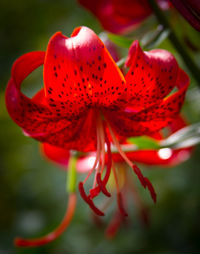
(104, 162)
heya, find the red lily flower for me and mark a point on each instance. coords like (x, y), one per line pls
(87, 102)
(119, 16)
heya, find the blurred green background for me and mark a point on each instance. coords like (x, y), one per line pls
(32, 190)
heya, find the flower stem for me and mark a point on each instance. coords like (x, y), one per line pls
(71, 175)
(121, 62)
(191, 65)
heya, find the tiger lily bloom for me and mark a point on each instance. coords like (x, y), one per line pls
(87, 105)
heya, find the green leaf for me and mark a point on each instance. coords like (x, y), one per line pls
(185, 137)
(121, 62)
(154, 38)
(144, 142)
(121, 41)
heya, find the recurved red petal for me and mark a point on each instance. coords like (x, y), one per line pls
(56, 154)
(79, 72)
(124, 124)
(165, 157)
(152, 75)
(36, 117)
(80, 135)
(152, 119)
(33, 117)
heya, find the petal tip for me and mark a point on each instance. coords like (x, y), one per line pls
(132, 52)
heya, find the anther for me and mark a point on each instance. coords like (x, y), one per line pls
(102, 186)
(89, 201)
(120, 205)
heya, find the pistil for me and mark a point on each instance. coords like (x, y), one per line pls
(21, 242)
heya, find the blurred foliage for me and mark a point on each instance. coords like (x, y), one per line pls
(33, 197)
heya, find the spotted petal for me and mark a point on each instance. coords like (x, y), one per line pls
(33, 117)
(79, 72)
(36, 117)
(145, 122)
(152, 75)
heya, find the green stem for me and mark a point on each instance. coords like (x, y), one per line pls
(71, 175)
(191, 65)
(121, 62)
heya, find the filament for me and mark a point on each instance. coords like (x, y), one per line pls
(144, 180)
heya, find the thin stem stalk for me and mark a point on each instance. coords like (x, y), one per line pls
(189, 62)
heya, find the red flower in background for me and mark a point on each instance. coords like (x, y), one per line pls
(190, 10)
(119, 16)
(87, 104)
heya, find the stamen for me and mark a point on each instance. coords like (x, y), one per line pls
(102, 186)
(96, 160)
(120, 204)
(143, 211)
(113, 226)
(89, 200)
(151, 189)
(21, 242)
(95, 191)
(139, 175)
(102, 140)
(119, 195)
(109, 160)
(144, 180)
(144, 214)
(115, 176)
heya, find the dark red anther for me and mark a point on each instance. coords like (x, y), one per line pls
(120, 205)
(82, 192)
(145, 182)
(144, 214)
(139, 175)
(113, 226)
(151, 189)
(94, 192)
(102, 186)
(89, 201)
